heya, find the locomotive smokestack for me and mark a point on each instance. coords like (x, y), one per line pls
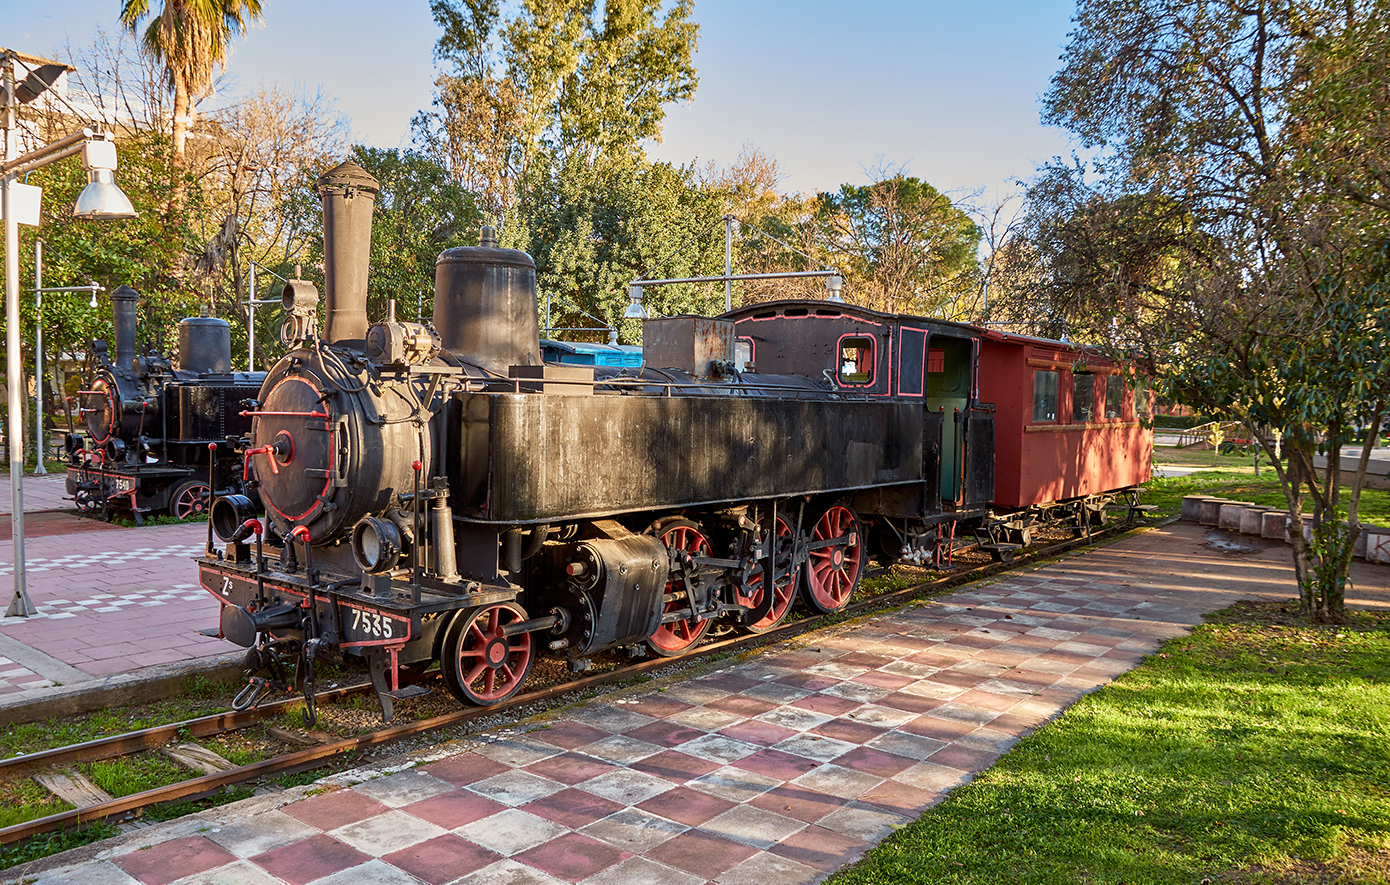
(124, 317)
(347, 192)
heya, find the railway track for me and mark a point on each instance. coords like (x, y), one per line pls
(323, 753)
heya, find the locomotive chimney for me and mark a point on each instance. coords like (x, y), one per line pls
(485, 305)
(347, 192)
(123, 313)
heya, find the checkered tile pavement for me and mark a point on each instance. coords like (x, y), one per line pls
(773, 771)
(109, 603)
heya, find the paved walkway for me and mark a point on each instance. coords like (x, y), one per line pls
(41, 493)
(772, 771)
(108, 602)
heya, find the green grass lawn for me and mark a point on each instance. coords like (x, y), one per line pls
(1251, 751)
(1233, 476)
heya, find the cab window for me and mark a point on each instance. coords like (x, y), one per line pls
(856, 363)
(1114, 395)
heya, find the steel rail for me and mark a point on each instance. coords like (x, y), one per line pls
(309, 758)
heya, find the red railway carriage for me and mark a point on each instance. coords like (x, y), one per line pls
(1067, 422)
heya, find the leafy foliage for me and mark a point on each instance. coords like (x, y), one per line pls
(1216, 247)
(574, 80)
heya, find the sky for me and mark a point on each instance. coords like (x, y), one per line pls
(944, 90)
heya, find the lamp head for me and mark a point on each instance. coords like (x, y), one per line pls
(635, 310)
(834, 283)
(101, 199)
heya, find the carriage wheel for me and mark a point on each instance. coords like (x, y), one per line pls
(832, 572)
(190, 498)
(481, 664)
(751, 593)
(678, 636)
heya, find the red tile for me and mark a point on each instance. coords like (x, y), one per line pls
(964, 758)
(665, 734)
(901, 798)
(826, 850)
(860, 659)
(989, 700)
(331, 810)
(828, 704)
(960, 679)
(701, 853)
(570, 768)
(686, 806)
(775, 763)
(734, 682)
(790, 800)
(301, 862)
(675, 766)
(871, 761)
(808, 681)
(572, 857)
(882, 680)
(572, 808)
(744, 706)
(901, 700)
(939, 727)
(465, 768)
(442, 859)
(849, 731)
(453, 809)
(174, 860)
(568, 735)
(658, 706)
(753, 731)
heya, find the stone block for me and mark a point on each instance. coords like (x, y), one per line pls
(1210, 512)
(1192, 507)
(1252, 520)
(1229, 516)
(1274, 525)
(1377, 544)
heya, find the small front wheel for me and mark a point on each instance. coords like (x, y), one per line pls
(482, 665)
(190, 498)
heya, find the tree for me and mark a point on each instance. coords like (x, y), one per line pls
(593, 229)
(1264, 283)
(420, 212)
(568, 79)
(903, 247)
(190, 38)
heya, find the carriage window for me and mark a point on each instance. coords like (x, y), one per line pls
(856, 360)
(936, 360)
(1044, 396)
(1083, 397)
(1141, 398)
(1114, 395)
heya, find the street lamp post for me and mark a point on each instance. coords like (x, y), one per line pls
(99, 199)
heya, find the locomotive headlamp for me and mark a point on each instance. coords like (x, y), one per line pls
(635, 310)
(229, 513)
(834, 283)
(376, 545)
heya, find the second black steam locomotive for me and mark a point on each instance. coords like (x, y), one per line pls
(155, 435)
(435, 492)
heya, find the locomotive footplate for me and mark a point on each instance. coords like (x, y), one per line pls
(270, 614)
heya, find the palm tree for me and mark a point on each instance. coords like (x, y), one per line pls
(190, 37)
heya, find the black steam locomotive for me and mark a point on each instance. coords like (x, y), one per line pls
(156, 435)
(442, 494)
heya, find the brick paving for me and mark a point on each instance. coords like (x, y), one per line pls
(108, 603)
(772, 771)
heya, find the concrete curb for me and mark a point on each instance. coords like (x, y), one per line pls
(141, 686)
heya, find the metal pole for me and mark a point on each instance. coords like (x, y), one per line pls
(251, 323)
(40, 438)
(729, 264)
(20, 605)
